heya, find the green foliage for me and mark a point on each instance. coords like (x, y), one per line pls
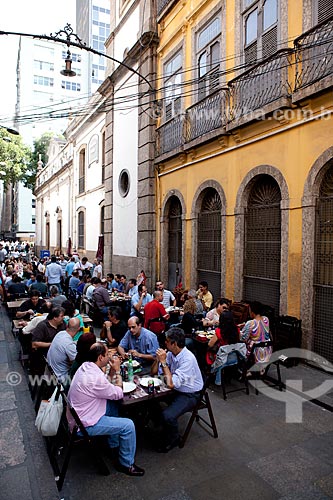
(41, 146)
(14, 158)
(18, 162)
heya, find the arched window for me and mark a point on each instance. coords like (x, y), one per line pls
(323, 274)
(209, 241)
(81, 229)
(174, 242)
(262, 251)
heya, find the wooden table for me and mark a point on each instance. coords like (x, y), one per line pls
(15, 304)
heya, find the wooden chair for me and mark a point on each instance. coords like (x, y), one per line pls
(73, 439)
(264, 376)
(240, 311)
(202, 404)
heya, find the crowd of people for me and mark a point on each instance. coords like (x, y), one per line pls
(136, 324)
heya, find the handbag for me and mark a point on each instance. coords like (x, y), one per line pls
(49, 414)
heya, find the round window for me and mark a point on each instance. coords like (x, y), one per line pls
(124, 183)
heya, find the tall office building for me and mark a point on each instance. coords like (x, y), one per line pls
(46, 96)
(45, 101)
(93, 27)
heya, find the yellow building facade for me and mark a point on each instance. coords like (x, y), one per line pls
(244, 161)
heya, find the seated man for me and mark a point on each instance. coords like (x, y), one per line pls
(93, 398)
(62, 351)
(40, 285)
(204, 294)
(31, 306)
(139, 342)
(56, 298)
(132, 288)
(140, 299)
(156, 316)
(91, 287)
(182, 373)
(42, 337)
(101, 298)
(114, 329)
(16, 288)
(213, 316)
(168, 297)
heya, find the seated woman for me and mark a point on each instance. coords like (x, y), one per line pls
(227, 334)
(189, 321)
(256, 330)
(71, 312)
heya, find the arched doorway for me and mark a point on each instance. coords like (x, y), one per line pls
(262, 245)
(174, 242)
(323, 270)
(209, 241)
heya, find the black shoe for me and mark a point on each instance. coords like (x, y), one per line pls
(133, 470)
(165, 448)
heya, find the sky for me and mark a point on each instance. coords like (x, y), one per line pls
(26, 16)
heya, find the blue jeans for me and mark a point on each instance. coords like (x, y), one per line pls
(182, 403)
(120, 432)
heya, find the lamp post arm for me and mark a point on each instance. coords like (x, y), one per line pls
(68, 32)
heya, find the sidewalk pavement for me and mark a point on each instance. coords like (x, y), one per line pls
(257, 454)
(25, 470)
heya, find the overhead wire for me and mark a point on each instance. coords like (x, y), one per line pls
(119, 101)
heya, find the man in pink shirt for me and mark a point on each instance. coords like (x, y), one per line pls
(93, 398)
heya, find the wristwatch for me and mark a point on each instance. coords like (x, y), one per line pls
(164, 365)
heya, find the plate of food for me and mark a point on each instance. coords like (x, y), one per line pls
(135, 363)
(128, 387)
(144, 381)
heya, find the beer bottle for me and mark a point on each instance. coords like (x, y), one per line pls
(130, 368)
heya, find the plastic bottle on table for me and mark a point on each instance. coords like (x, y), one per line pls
(130, 368)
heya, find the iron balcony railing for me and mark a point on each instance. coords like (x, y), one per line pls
(170, 135)
(314, 54)
(206, 115)
(261, 85)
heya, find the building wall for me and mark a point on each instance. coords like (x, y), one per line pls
(290, 140)
(125, 158)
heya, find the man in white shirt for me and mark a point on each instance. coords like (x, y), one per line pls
(82, 266)
(98, 270)
(53, 273)
(168, 297)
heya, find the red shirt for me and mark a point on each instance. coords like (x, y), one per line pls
(153, 310)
